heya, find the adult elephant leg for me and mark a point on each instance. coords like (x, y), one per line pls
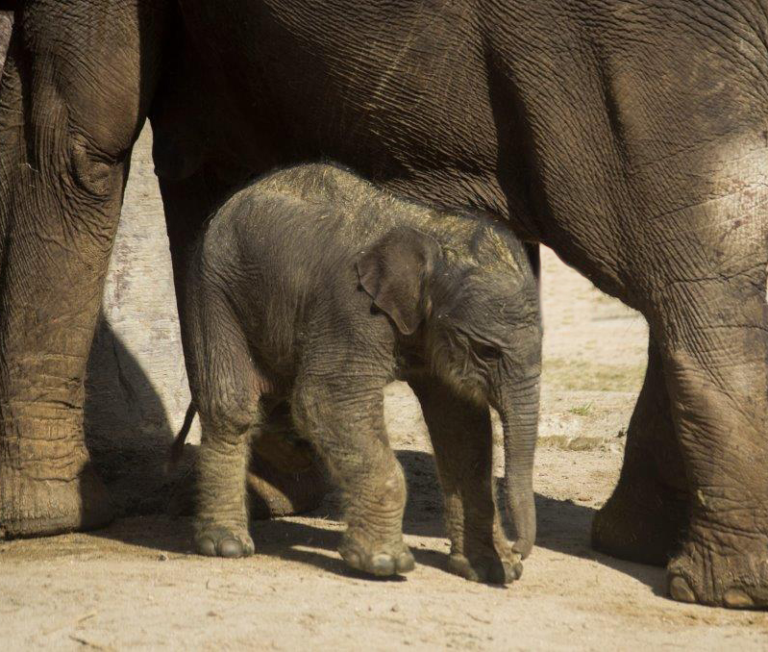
(644, 519)
(74, 93)
(712, 329)
(284, 476)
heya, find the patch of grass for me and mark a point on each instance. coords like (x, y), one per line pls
(582, 410)
(585, 376)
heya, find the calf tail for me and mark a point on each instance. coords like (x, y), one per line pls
(177, 447)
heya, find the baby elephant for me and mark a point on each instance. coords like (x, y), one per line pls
(312, 288)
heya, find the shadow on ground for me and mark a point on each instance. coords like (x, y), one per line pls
(563, 527)
(127, 431)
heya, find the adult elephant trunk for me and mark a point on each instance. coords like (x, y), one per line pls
(519, 411)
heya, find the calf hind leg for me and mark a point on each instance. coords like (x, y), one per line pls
(283, 479)
(285, 476)
(226, 389)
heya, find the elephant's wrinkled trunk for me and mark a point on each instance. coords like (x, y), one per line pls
(519, 411)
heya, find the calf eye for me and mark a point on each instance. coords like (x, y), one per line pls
(488, 352)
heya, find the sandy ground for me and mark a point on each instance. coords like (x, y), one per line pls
(136, 584)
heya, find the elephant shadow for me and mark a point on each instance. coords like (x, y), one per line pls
(563, 527)
(127, 430)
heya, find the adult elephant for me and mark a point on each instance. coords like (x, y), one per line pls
(631, 137)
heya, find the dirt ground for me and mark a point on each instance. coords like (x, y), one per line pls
(136, 584)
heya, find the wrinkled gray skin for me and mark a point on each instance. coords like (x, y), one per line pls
(6, 23)
(630, 137)
(312, 287)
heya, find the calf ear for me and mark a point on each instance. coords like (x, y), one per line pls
(393, 271)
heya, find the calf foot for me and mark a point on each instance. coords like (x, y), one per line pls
(487, 569)
(377, 559)
(491, 562)
(733, 580)
(223, 541)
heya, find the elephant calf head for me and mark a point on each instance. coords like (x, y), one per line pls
(478, 306)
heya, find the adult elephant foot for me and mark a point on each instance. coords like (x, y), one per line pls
(724, 559)
(32, 506)
(645, 518)
(725, 578)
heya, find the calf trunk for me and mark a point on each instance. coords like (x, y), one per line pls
(519, 411)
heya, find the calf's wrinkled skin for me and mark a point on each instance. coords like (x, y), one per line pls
(313, 288)
(630, 137)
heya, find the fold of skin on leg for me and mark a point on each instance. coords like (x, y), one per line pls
(461, 437)
(66, 131)
(343, 417)
(6, 23)
(647, 514)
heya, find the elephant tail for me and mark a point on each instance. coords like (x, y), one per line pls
(177, 447)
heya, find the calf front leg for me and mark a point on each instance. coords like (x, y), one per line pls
(462, 440)
(347, 429)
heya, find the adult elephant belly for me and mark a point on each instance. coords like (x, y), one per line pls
(634, 145)
(402, 92)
